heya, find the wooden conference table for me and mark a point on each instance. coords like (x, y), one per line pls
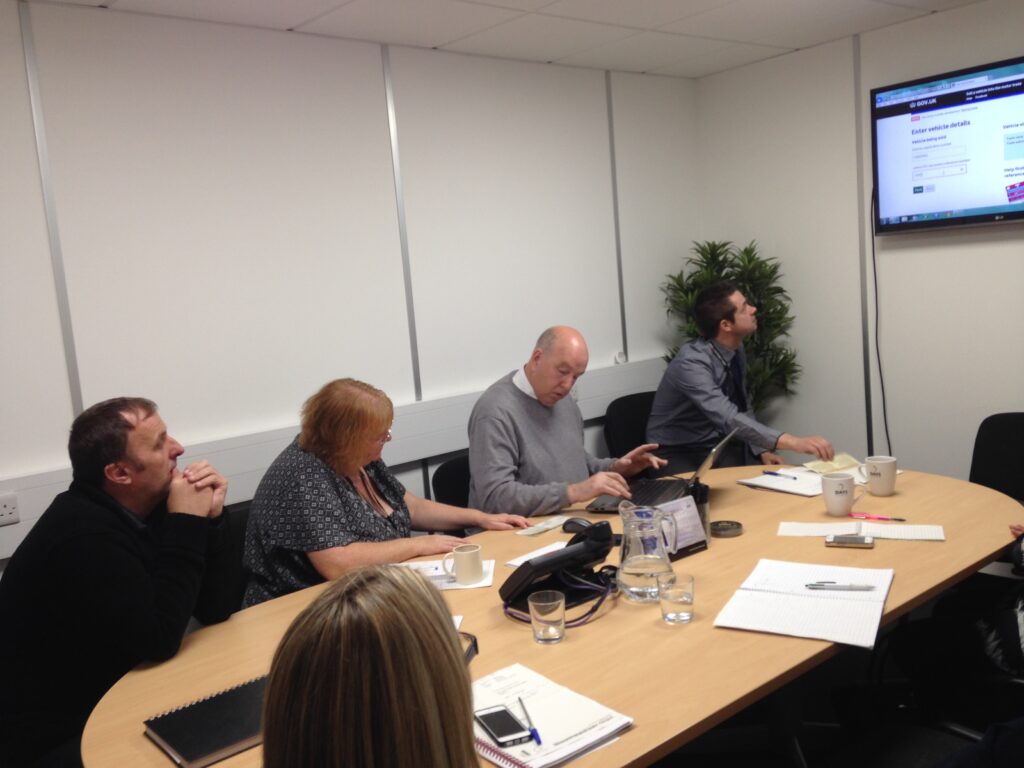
(676, 682)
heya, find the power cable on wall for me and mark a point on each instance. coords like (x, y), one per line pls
(878, 351)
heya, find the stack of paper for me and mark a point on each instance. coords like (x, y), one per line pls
(775, 598)
(568, 723)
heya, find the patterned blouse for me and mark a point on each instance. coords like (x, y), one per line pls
(302, 505)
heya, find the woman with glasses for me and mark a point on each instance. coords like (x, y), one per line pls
(328, 503)
(370, 674)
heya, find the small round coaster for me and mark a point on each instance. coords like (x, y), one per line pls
(726, 529)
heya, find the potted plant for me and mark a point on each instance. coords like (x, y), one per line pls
(772, 369)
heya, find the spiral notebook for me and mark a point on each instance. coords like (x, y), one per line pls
(569, 723)
(211, 729)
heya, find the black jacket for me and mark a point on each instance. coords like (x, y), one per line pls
(91, 592)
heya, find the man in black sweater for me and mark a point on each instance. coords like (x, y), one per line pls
(107, 577)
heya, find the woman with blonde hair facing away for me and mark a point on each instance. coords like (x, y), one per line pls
(370, 674)
(329, 503)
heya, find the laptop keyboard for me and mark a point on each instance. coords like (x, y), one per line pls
(646, 493)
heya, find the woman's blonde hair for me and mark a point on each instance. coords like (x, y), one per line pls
(370, 674)
(340, 419)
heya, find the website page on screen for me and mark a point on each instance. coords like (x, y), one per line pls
(951, 148)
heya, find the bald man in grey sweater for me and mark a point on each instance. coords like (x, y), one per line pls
(526, 453)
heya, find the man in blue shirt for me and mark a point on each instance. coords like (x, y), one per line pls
(702, 395)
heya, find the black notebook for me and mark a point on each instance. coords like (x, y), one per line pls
(208, 730)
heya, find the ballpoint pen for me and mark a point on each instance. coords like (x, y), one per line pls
(831, 585)
(779, 474)
(529, 722)
(862, 516)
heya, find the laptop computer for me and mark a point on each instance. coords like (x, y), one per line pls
(650, 493)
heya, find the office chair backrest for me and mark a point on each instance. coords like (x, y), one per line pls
(451, 482)
(625, 422)
(233, 575)
(997, 462)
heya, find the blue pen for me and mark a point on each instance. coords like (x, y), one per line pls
(529, 722)
(779, 474)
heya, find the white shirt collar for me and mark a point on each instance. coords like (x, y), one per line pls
(523, 383)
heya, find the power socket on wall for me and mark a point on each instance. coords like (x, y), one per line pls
(9, 509)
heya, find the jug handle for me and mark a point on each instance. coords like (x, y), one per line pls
(670, 540)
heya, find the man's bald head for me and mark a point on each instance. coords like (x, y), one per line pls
(559, 358)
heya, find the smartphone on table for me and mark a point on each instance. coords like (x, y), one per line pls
(856, 542)
(504, 728)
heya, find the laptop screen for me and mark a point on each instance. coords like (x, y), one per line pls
(709, 460)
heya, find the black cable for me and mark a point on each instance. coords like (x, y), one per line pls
(878, 351)
(605, 586)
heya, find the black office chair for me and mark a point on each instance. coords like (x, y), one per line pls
(451, 482)
(997, 462)
(451, 486)
(625, 422)
(969, 701)
(232, 575)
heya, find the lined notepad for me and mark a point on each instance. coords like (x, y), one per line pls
(775, 599)
(865, 528)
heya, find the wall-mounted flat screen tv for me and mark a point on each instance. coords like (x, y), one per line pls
(948, 150)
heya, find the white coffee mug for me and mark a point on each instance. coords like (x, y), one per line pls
(839, 490)
(467, 564)
(880, 472)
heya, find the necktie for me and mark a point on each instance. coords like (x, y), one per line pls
(736, 390)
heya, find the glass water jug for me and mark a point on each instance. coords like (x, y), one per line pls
(648, 535)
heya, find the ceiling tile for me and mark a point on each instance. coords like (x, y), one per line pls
(90, 3)
(515, 5)
(643, 52)
(931, 5)
(424, 23)
(538, 38)
(638, 14)
(728, 56)
(271, 14)
(791, 23)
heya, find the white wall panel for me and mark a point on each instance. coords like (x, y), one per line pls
(35, 403)
(949, 301)
(778, 165)
(227, 213)
(656, 161)
(507, 177)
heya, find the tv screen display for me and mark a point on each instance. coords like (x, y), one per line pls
(948, 150)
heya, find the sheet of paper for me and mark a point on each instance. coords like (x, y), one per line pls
(904, 532)
(850, 528)
(793, 578)
(879, 530)
(434, 571)
(516, 562)
(798, 480)
(841, 462)
(543, 526)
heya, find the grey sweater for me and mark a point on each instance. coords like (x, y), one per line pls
(523, 455)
